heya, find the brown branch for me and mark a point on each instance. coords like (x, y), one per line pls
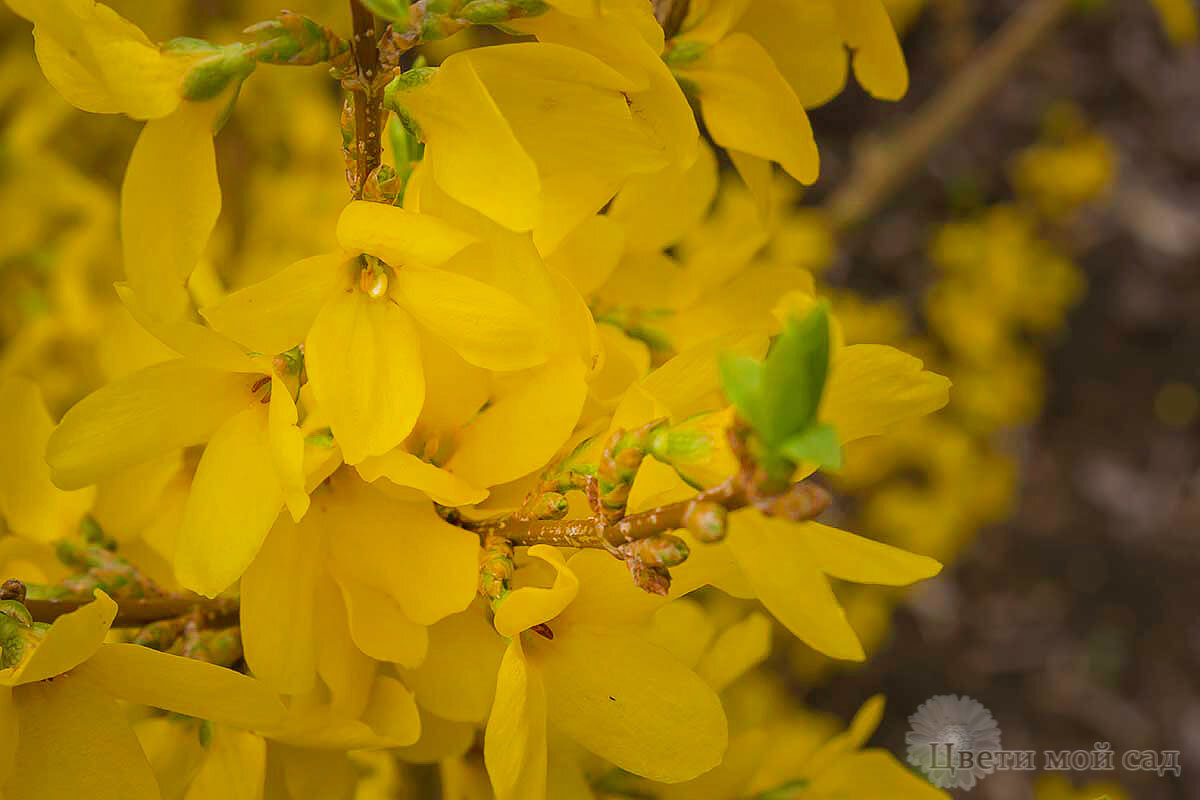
(884, 167)
(801, 501)
(134, 613)
(368, 96)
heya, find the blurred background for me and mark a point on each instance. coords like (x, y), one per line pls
(1045, 254)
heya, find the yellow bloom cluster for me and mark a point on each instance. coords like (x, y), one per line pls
(458, 451)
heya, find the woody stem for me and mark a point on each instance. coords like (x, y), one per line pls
(801, 501)
(133, 613)
(368, 101)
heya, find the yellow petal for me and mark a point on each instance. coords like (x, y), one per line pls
(471, 150)
(32, 506)
(278, 593)
(878, 60)
(589, 254)
(275, 314)
(514, 744)
(457, 680)
(73, 740)
(748, 106)
(101, 62)
(656, 210)
(8, 734)
(399, 237)
(71, 640)
(775, 558)
(872, 387)
(523, 427)
(392, 712)
(866, 721)
(163, 241)
(234, 501)
(682, 629)
(487, 327)
(440, 740)
(287, 447)
(308, 772)
(364, 364)
(630, 41)
(688, 384)
(626, 360)
(454, 390)
(130, 500)
(873, 772)
(567, 109)
(709, 565)
(347, 671)
(405, 469)
(405, 549)
(378, 626)
(523, 608)
(161, 408)
(739, 648)
(183, 685)
(630, 702)
(195, 342)
(606, 594)
(172, 746)
(855, 558)
(1180, 20)
(759, 177)
(718, 18)
(233, 769)
(805, 43)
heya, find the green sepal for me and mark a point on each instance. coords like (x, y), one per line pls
(320, 438)
(212, 75)
(779, 398)
(485, 12)
(794, 374)
(817, 445)
(742, 380)
(391, 10)
(681, 54)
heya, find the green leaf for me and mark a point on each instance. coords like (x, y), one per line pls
(391, 10)
(817, 444)
(793, 376)
(742, 380)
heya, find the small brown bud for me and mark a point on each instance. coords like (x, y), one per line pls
(707, 521)
(549, 505)
(659, 550)
(655, 580)
(12, 589)
(543, 630)
(803, 501)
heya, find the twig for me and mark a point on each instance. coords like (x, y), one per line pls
(368, 96)
(801, 501)
(134, 613)
(885, 167)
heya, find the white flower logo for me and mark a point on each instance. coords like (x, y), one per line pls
(943, 728)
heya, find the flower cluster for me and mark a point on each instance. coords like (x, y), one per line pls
(446, 487)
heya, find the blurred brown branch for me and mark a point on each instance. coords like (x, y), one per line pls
(884, 166)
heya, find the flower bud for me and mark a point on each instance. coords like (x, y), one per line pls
(660, 550)
(707, 521)
(211, 75)
(549, 505)
(12, 589)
